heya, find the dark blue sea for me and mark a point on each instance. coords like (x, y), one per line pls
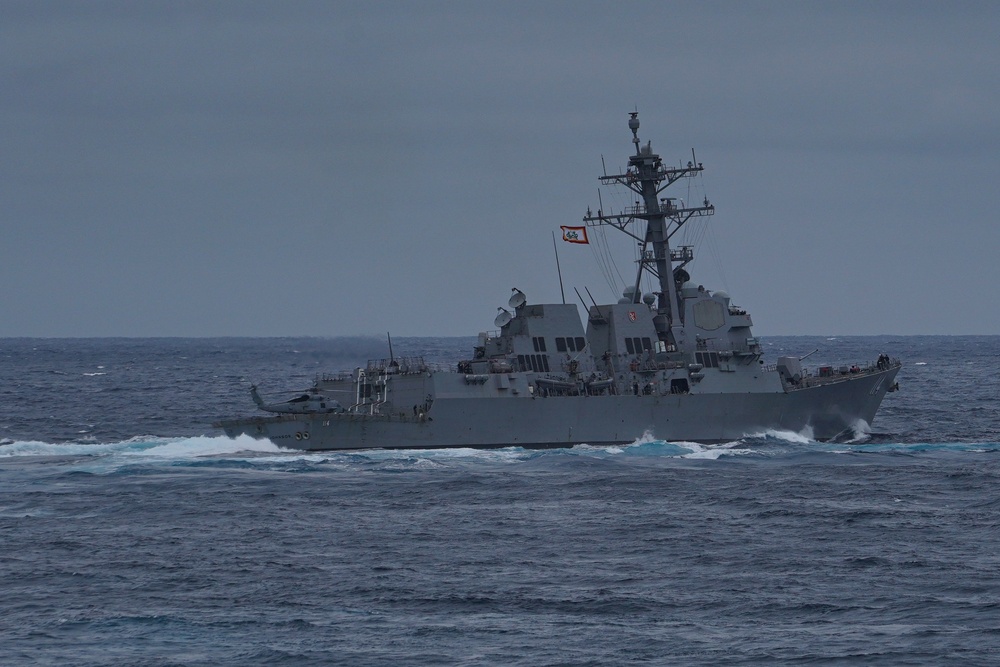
(133, 533)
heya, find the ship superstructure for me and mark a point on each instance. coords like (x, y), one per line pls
(679, 362)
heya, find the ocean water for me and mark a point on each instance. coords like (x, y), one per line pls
(132, 533)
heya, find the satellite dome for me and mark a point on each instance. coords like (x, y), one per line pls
(649, 299)
(689, 290)
(517, 299)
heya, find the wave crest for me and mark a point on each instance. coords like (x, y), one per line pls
(803, 437)
(155, 446)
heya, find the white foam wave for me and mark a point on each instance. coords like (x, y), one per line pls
(608, 449)
(150, 446)
(206, 446)
(670, 449)
(503, 455)
(702, 451)
(712, 452)
(862, 432)
(288, 455)
(803, 437)
(39, 448)
(646, 438)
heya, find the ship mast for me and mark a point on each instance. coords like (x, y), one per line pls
(647, 177)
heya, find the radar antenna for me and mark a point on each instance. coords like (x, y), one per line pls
(647, 176)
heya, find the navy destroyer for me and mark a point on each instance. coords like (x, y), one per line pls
(679, 363)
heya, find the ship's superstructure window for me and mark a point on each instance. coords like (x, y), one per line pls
(539, 363)
(539, 343)
(707, 359)
(574, 344)
(637, 345)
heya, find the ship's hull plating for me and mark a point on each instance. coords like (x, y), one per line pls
(823, 411)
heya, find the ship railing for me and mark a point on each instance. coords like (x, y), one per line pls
(682, 254)
(397, 365)
(441, 367)
(367, 407)
(649, 256)
(830, 373)
(714, 345)
(727, 349)
(342, 376)
(339, 376)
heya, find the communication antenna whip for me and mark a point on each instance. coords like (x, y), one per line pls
(555, 249)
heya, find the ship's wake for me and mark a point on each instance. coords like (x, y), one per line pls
(244, 452)
(151, 446)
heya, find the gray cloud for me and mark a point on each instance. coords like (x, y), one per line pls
(339, 168)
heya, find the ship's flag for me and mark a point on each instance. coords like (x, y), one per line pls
(574, 234)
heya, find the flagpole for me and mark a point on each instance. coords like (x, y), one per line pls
(558, 270)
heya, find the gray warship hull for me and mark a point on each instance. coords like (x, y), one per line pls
(490, 420)
(678, 362)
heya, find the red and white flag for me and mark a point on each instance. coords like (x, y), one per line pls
(574, 234)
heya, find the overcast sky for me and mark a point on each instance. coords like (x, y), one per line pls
(334, 168)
